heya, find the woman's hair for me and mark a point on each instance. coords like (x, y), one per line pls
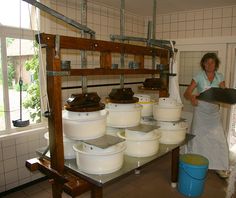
(210, 56)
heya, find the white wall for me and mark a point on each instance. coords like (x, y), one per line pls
(14, 151)
(104, 21)
(210, 22)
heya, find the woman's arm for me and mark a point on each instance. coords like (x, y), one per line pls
(188, 93)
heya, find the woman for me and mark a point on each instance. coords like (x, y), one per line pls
(209, 140)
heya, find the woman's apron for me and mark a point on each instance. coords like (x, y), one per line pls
(209, 140)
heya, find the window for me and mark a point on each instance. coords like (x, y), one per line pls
(22, 14)
(19, 63)
(18, 60)
(2, 112)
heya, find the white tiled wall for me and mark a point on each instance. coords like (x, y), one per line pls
(220, 21)
(105, 21)
(14, 151)
(210, 22)
(102, 19)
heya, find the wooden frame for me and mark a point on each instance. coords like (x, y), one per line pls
(54, 74)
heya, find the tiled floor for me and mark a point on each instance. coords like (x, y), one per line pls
(152, 182)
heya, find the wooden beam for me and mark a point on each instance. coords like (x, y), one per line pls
(68, 182)
(76, 186)
(164, 74)
(55, 118)
(99, 45)
(96, 192)
(32, 164)
(102, 71)
(174, 165)
(44, 166)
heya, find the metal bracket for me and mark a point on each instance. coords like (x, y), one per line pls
(47, 114)
(172, 74)
(57, 46)
(150, 42)
(58, 73)
(44, 153)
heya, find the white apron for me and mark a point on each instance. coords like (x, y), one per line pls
(209, 140)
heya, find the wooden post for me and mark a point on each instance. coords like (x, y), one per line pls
(105, 60)
(139, 59)
(55, 118)
(163, 93)
(96, 192)
(174, 165)
(164, 74)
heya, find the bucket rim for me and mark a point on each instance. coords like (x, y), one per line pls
(185, 159)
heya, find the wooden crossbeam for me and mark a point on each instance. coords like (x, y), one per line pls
(72, 185)
(67, 42)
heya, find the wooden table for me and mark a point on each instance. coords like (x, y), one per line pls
(130, 165)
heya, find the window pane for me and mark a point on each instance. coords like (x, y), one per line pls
(13, 18)
(2, 113)
(23, 64)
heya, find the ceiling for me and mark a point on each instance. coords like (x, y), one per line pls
(144, 7)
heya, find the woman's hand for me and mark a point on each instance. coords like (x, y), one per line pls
(222, 84)
(194, 100)
(188, 93)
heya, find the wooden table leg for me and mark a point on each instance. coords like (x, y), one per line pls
(174, 167)
(96, 192)
(56, 190)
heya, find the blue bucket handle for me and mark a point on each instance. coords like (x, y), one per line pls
(192, 176)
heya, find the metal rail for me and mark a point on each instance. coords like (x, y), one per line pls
(153, 42)
(122, 33)
(61, 17)
(83, 52)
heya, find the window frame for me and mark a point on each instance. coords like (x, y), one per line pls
(17, 33)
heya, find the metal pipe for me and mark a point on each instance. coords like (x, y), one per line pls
(161, 42)
(127, 38)
(102, 85)
(57, 46)
(83, 55)
(83, 6)
(149, 32)
(61, 17)
(154, 15)
(154, 42)
(122, 33)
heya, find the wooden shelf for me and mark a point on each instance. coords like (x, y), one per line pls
(101, 71)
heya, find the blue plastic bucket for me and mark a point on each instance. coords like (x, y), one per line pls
(192, 174)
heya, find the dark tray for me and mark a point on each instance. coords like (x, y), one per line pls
(219, 95)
